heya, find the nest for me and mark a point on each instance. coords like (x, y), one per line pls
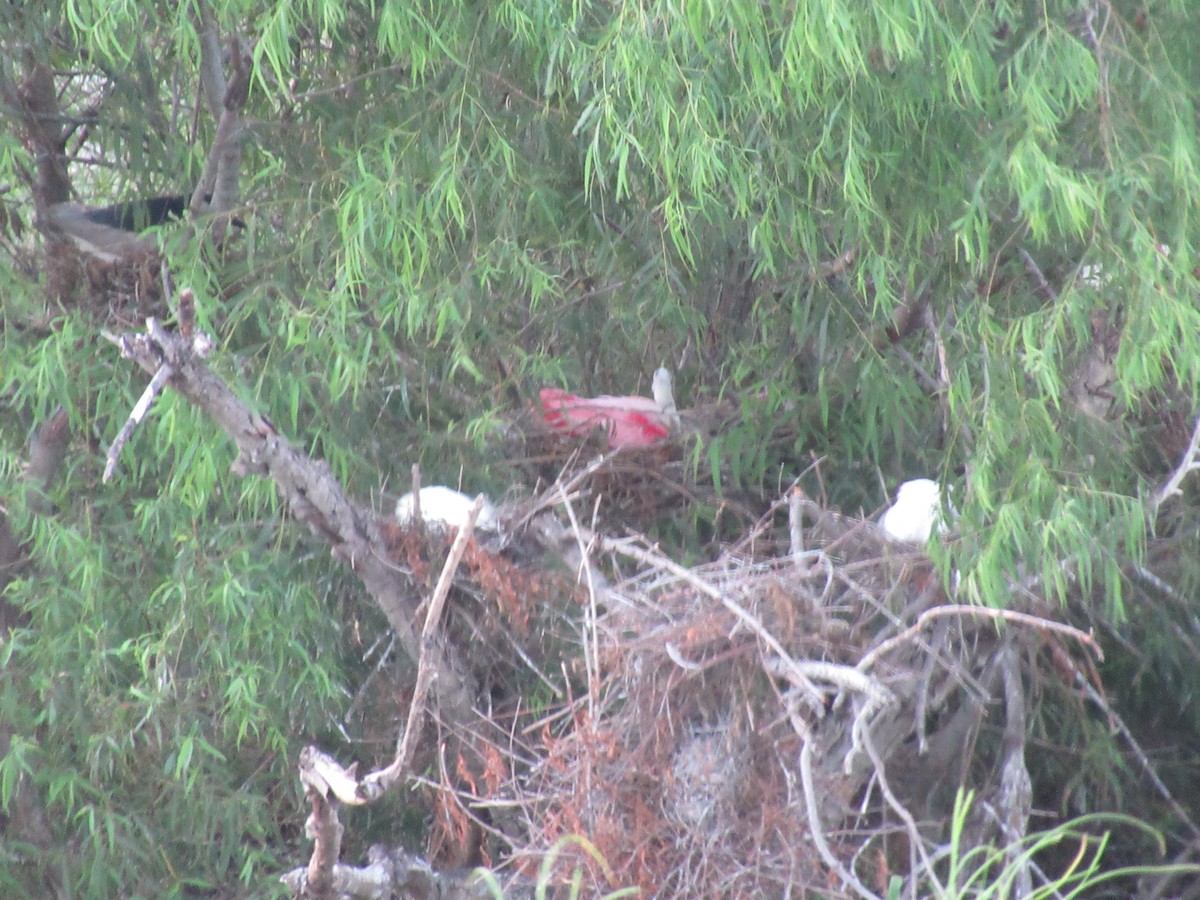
(119, 292)
(778, 717)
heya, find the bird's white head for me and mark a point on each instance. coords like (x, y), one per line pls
(444, 507)
(663, 390)
(915, 514)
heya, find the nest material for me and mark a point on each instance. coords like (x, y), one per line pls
(118, 292)
(770, 719)
(735, 714)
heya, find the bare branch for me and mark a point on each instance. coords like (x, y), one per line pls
(1035, 272)
(796, 521)
(376, 783)
(1008, 615)
(322, 825)
(223, 165)
(1016, 788)
(311, 492)
(153, 389)
(1186, 465)
(1089, 690)
(817, 830)
(916, 842)
(212, 76)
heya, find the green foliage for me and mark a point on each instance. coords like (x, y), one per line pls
(546, 880)
(984, 872)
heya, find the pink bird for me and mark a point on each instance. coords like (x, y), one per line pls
(628, 421)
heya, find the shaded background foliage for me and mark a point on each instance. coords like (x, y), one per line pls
(449, 205)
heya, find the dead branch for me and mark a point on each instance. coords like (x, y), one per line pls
(322, 826)
(916, 840)
(395, 872)
(1187, 465)
(201, 346)
(1007, 615)
(1016, 789)
(817, 829)
(312, 494)
(389, 873)
(376, 783)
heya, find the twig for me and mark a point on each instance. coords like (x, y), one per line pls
(796, 521)
(591, 639)
(1007, 615)
(385, 657)
(916, 842)
(553, 494)
(1035, 272)
(1143, 760)
(376, 783)
(134, 347)
(926, 380)
(817, 831)
(662, 563)
(153, 389)
(416, 495)
(1186, 465)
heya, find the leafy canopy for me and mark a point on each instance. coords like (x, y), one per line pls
(451, 204)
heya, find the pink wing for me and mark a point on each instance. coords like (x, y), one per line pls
(628, 421)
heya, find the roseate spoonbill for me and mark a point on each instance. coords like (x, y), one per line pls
(915, 514)
(628, 421)
(444, 507)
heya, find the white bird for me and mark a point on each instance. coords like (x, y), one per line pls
(444, 507)
(915, 514)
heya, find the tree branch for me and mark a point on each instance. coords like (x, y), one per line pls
(375, 784)
(1186, 465)
(313, 495)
